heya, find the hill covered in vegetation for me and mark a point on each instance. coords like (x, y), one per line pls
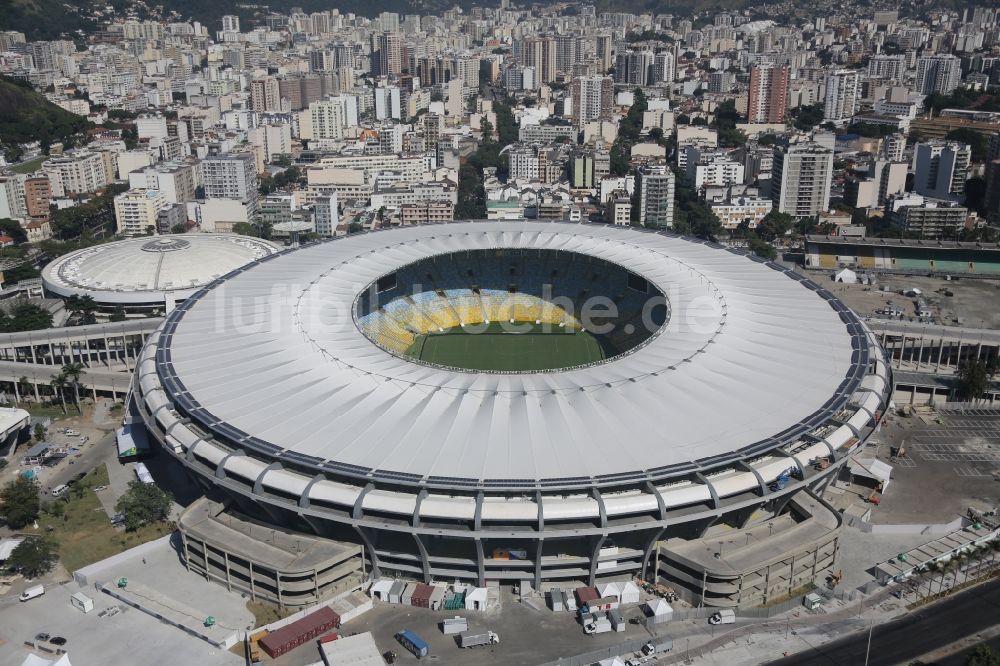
(26, 116)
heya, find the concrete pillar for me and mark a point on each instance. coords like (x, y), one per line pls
(937, 368)
(902, 350)
(229, 579)
(107, 352)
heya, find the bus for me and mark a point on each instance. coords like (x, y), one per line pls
(413, 643)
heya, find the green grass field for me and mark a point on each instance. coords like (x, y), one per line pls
(494, 349)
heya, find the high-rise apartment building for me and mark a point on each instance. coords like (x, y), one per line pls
(326, 214)
(592, 97)
(232, 176)
(634, 67)
(387, 54)
(941, 168)
(265, 95)
(891, 67)
(768, 93)
(656, 197)
(938, 74)
(801, 179)
(664, 68)
(78, 173)
(540, 53)
(329, 118)
(841, 95)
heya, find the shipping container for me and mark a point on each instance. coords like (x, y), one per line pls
(437, 598)
(407, 597)
(396, 592)
(421, 597)
(290, 636)
(585, 595)
(454, 625)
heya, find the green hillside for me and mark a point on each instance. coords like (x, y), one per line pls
(25, 116)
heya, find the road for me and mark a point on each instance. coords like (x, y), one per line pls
(913, 635)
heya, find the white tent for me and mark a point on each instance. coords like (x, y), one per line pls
(611, 661)
(660, 610)
(847, 276)
(629, 593)
(34, 660)
(608, 590)
(476, 599)
(872, 469)
(380, 589)
(624, 590)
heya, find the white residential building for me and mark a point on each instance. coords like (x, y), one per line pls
(841, 95)
(136, 211)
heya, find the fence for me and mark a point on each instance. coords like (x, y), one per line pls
(604, 653)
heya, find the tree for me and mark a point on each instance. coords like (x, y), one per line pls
(774, 225)
(118, 314)
(762, 249)
(34, 556)
(19, 502)
(25, 317)
(84, 307)
(974, 377)
(58, 384)
(39, 432)
(977, 141)
(984, 655)
(23, 387)
(143, 503)
(72, 372)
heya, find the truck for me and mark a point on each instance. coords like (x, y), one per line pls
(468, 639)
(723, 616)
(659, 647)
(32, 592)
(413, 643)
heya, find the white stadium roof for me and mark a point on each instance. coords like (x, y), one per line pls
(271, 358)
(147, 269)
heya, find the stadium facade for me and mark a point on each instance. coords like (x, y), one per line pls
(286, 389)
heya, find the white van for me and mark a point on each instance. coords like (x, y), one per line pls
(59, 490)
(32, 592)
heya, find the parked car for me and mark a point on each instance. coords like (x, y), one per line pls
(58, 640)
(41, 637)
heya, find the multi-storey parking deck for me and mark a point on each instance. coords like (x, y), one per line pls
(265, 385)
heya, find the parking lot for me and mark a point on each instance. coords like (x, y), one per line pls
(130, 636)
(528, 636)
(952, 461)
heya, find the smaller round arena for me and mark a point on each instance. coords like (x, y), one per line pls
(150, 274)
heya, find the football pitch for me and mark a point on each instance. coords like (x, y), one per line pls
(530, 348)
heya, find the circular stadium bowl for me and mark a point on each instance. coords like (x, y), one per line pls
(296, 386)
(150, 273)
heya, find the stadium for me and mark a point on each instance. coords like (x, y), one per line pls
(521, 402)
(146, 275)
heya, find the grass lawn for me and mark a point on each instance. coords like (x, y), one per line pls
(534, 348)
(264, 612)
(30, 166)
(54, 412)
(84, 533)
